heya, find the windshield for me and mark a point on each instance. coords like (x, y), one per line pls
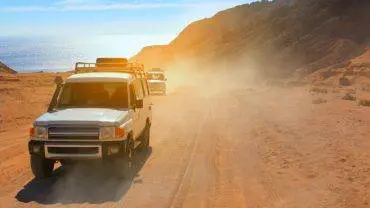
(94, 95)
(156, 76)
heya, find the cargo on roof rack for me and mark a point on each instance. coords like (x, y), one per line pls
(111, 60)
(111, 65)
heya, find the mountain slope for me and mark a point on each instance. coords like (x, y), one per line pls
(278, 37)
(5, 69)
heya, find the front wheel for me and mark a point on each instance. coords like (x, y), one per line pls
(41, 167)
(122, 165)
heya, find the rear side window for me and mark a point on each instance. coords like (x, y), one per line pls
(132, 94)
(139, 91)
(145, 87)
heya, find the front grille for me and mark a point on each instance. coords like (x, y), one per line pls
(73, 150)
(156, 87)
(73, 133)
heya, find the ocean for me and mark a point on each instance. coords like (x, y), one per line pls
(26, 54)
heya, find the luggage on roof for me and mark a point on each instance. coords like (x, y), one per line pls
(111, 65)
(111, 60)
(106, 62)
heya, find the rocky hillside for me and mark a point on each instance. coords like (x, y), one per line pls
(5, 69)
(278, 37)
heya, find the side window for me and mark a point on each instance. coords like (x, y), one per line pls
(132, 94)
(144, 83)
(138, 90)
(147, 86)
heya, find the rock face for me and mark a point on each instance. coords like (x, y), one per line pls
(154, 56)
(279, 37)
(5, 69)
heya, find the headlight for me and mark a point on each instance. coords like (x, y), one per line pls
(111, 133)
(107, 133)
(39, 132)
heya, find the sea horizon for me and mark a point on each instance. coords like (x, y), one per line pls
(58, 54)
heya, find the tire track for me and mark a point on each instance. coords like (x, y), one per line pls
(227, 191)
(182, 187)
(264, 178)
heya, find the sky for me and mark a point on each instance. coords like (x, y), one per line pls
(136, 23)
(112, 17)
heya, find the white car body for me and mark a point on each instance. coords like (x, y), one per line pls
(69, 125)
(157, 82)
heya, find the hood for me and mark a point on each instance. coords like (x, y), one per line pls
(84, 116)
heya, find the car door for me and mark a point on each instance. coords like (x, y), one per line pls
(146, 111)
(139, 95)
(135, 113)
(143, 111)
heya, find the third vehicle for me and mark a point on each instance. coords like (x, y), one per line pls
(157, 81)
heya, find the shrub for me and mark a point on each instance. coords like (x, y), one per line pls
(316, 90)
(349, 96)
(319, 101)
(364, 103)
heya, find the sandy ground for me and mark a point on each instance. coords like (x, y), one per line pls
(24, 97)
(234, 146)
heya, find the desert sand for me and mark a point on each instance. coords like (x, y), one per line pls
(213, 145)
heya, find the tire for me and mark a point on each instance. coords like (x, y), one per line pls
(41, 167)
(145, 143)
(123, 164)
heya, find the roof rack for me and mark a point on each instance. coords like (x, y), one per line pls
(111, 65)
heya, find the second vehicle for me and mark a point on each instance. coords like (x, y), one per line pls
(157, 82)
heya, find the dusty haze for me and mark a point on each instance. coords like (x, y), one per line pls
(256, 115)
(220, 138)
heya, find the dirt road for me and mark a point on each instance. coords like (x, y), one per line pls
(237, 147)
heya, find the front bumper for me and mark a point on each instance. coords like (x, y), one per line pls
(162, 92)
(157, 88)
(76, 150)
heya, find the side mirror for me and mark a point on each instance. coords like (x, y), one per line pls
(58, 80)
(139, 104)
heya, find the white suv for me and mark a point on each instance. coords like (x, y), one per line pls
(96, 115)
(157, 82)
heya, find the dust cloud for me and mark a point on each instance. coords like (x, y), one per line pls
(224, 135)
(225, 79)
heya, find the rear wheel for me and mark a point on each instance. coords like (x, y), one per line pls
(41, 167)
(145, 142)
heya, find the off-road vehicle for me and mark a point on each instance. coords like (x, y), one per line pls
(157, 82)
(102, 112)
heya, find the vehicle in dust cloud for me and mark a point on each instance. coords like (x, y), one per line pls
(103, 112)
(157, 82)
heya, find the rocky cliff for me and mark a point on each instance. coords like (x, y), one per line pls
(279, 37)
(5, 69)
